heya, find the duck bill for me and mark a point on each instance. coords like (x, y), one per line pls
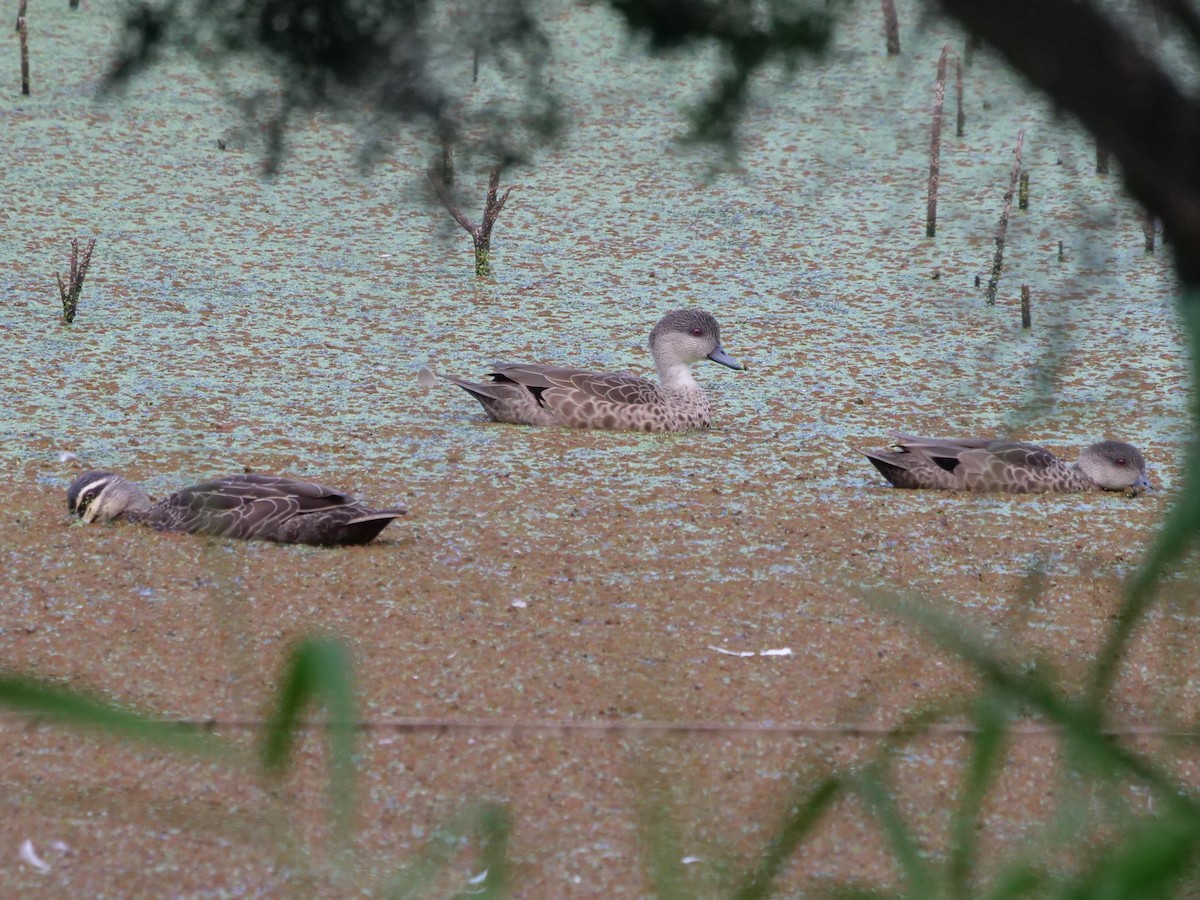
(720, 356)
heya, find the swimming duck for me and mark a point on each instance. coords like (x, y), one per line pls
(982, 464)
(532, 394)
(263, 507)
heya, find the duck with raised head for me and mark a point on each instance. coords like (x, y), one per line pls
(533, 394)
(983, 464)
(252, 506)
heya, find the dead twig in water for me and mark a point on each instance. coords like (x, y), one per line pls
(23, 31)
(960, 121)
(935, 144)
(481, 234)
(1023, 192)
(1101, 159)
(1002, 228)
(891, 27)
(1026, 314)
(70, 292)
(1148, 226)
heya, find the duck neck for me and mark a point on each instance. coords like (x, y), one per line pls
(675, 376)
(1080, 478)
(139, 507)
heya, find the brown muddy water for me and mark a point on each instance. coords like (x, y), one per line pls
(551, 576)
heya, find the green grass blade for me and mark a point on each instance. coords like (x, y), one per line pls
(990, 720)
(72, 708)
(1020, 879)
(799, 822)
(1081, 722)
(904, 847)
(659, 836)
(491, 825)
(1147, 863)
(1179, 529)
(317, 670)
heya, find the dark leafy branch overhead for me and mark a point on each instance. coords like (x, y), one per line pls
(1099, 72)
(407, 61)
(752, 34)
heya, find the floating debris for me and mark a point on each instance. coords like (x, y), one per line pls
(29, 855)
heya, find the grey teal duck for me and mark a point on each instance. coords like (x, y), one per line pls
(532, 394)
(982, 464)
(263, 507)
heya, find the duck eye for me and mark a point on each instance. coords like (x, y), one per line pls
(696, 332)
(1119, 461)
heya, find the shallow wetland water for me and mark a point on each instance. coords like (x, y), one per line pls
(545, 575)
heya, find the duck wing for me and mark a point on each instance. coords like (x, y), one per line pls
(251, 506)
(613, 387)
(970, 464)
(982, 464)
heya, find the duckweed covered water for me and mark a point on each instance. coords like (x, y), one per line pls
(231, 321)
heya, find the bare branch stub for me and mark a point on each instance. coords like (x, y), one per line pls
(443, 193)
(23, 32)
(935, 147)
(69, 293)
(1148, 223)
(481, 234)
(891, 25)
(1002, 228)
(1026, 314)
(492, 206)
(960, 119)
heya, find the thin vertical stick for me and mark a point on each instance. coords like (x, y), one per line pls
(1023, 192)
(1101, 159)
(1002, 228)
(74, 287)
(1026, 316)
(891, 25)
(1148, 230)
(23, 31)
(961, 117)
(935, 145)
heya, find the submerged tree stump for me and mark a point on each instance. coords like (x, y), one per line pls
(70, 291)
(481, 234)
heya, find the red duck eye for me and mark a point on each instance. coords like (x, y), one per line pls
(1119, 462)
(696, 332)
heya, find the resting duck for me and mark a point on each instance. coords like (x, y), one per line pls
(532, 394)
(982, 464)
(262, 507)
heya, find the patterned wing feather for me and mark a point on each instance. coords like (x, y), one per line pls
(613, 387)
(246, 506)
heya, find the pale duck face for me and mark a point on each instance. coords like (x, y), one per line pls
(1114, 466)
(688, 336)
(102, 496)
